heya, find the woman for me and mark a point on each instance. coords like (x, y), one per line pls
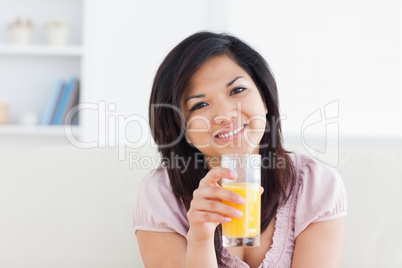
(214, 95)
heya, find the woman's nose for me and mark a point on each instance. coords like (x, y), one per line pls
(226, 112)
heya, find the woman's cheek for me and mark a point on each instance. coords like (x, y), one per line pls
(199, 123)
(199, 129)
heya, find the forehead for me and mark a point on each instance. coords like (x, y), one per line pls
(215, 72)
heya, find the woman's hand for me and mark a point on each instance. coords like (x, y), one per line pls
(207, 210)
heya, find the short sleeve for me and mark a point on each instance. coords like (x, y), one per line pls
(155, 207)
(321, 194)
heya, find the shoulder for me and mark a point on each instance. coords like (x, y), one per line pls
(155, 207)
(320, 192)
(313, 175)
(307, 163)
(157, 181)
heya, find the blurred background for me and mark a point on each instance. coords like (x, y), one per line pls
(336, 64)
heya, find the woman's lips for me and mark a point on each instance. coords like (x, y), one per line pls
(232, 137)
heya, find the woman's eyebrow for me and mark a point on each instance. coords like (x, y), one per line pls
(195, 96)
(231, 82)
(203, 95)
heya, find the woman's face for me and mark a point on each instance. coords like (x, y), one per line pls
(223, 109)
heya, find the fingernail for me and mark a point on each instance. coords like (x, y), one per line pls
(242, 199)
(238, 213)
(227, 219)
(232, 173)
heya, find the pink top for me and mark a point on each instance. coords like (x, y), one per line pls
(318, 195)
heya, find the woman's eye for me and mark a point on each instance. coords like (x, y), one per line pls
(198, 106)
(237, 90)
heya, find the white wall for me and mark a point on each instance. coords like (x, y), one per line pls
(345, 54)
(323, 51)
(125, 43)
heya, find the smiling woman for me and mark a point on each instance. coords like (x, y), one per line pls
(214, 95)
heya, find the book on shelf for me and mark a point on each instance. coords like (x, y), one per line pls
(72, 102)
(69, 91)
(51, 105)
(62, 99)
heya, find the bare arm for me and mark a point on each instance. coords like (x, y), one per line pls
(320, 245)
(167, 250)
(163, 250)
(200, 253)
(160, 249)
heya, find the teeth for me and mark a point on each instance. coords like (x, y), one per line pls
(231, 133)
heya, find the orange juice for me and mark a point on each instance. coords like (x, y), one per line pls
(249, 224)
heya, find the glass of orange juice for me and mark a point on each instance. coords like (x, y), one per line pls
(246, 230)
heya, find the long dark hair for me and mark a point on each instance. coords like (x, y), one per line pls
(167, 123)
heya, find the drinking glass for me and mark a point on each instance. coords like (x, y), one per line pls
(244, 231)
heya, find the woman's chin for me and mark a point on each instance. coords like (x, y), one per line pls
(241, 150)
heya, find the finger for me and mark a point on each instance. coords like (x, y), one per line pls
(262, 190)
(215, 174)
(203, 216)
(216, 206)
(218, 193)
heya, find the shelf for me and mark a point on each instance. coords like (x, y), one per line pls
(18, 130)
(40, 50)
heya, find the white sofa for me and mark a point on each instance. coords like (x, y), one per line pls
(61, 206)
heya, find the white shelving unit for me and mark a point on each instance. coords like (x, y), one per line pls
(44, 131)
(41, 50)
(29, 72)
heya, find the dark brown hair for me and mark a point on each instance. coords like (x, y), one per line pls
(167, 123)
